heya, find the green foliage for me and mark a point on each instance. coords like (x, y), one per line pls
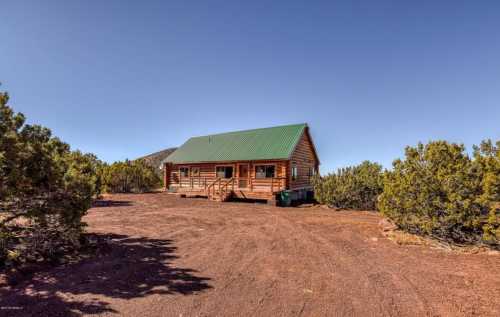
(42, 182)
(130, 176)
(439, 190)
(5, 238)
(487, 163)
(355, 187)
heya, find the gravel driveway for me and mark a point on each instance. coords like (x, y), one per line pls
(190, 257)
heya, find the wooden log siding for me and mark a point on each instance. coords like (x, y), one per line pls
(303, 158)
(268, 184)
(167, 174)
(208, 174)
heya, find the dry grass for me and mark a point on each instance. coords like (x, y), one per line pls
(405, 238)
(408, 239)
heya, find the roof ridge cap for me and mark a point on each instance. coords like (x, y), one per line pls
(249, 130)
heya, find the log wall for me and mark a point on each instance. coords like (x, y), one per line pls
(207, 175)
(304, 158)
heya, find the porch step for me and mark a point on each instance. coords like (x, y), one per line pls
(217, 196)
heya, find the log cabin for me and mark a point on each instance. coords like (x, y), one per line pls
(274, 164)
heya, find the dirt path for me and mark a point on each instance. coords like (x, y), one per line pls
(190, 257)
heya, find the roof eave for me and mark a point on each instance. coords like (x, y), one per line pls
(229, 161)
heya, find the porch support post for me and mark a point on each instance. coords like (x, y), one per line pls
(288, 175)
(250, 175)
(166, 175)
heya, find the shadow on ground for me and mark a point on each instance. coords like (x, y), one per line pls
(111, 203)
(124, 267)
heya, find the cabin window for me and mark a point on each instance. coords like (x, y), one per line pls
(184, 171)
(195, 171)
(224, 171)
(312, 171)
(264, 171)
(295, 172)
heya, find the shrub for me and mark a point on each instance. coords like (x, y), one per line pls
(130, 176)
(487, 163)
(42, 182)
(355, 187)
(4, 242)
(439, 190)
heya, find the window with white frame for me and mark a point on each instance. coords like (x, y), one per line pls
(224, 171)
(184, 171)
(295, 172)
(195, 171)
(312, 171)
(265, 171)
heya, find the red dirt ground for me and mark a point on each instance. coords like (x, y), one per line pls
(190, 257)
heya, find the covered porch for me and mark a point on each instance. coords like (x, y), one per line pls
(255, 180)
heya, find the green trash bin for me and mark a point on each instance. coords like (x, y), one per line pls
(310, 196)
(285, 199)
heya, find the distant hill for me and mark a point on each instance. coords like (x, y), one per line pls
(155, 159)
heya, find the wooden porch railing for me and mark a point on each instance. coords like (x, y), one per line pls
(211, 185)
(274, 184)
(193, 180)
(210, 189)
(223, 188)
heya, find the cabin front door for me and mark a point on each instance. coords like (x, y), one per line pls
(243, 176)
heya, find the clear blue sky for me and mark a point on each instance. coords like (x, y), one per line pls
(126, 78)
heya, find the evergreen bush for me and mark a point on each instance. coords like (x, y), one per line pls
(42, 183)
(355, 187)
(439, 190)
(130, 177)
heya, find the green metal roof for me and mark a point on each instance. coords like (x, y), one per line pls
(258, 144)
